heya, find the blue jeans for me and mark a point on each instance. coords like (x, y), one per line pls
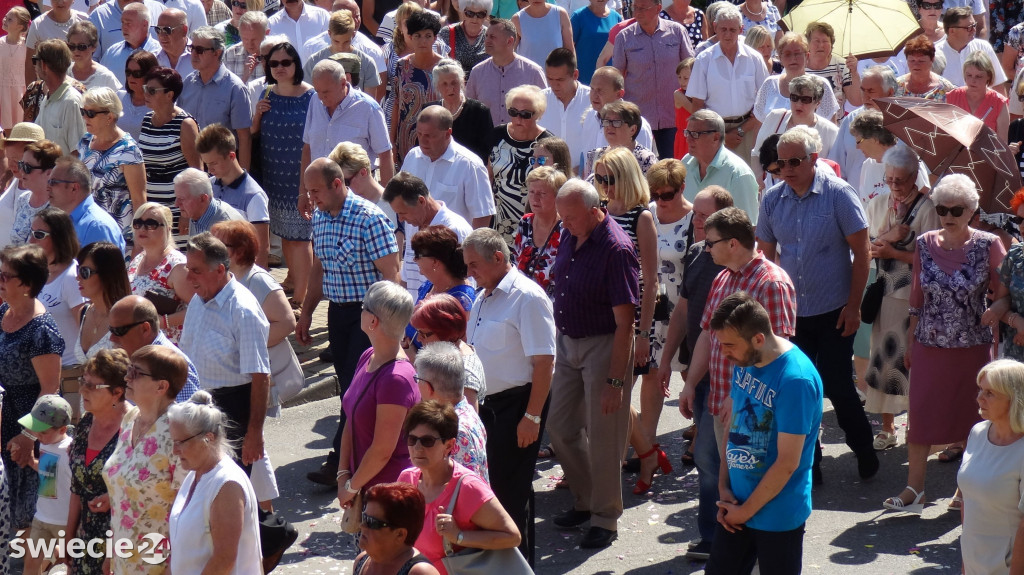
(707, 460)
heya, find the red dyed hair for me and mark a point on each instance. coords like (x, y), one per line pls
(404, 507)
(240, 238)
(1017, 201)
(443, 315)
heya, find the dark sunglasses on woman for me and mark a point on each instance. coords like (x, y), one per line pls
(149, 223)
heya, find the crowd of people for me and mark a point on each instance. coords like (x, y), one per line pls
(518, 212)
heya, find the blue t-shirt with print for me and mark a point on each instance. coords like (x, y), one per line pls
(783, 396)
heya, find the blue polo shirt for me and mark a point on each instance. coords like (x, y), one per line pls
(117, 56)
(223, 100)
(217, 211)
(92, 224)
(245, 195)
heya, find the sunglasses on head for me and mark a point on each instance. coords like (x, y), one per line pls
(427, 441)
(149, 223)
(955, 211)
(372, 523)
(92, 113)
(473, 14)
(791, 162)
(85, 272)
(138, 74)
(78, 47)
(40, 234)
(122, 330)
(802, 99)
(608, 180)
(276, 63)
(517, 113)
(666, 197)
(27, 168)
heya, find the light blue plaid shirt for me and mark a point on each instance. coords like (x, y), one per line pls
(811, 236)
(348, 244)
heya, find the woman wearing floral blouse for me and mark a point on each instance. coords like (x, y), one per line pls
(536, 243)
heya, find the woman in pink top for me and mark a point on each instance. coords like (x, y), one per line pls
(978, 98)
(477, 519)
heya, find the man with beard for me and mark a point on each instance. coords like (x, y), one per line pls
(765, 488)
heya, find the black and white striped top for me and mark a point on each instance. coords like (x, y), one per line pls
(161, 150)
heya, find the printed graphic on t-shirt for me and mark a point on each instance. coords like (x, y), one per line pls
(48, 475)
(752, 423)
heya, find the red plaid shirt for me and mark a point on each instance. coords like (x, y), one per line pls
(771, 287)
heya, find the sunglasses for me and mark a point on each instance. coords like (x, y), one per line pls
(802, 99)
(708, 244)
(135, 74)
(165, 30)
(791, 162)
(54, 181)
(613, 123)
(151, 90)
(92, 113)
(931, 5)
(83, 384)
(6, 277)
(238, 5)
(472, 14)
(666, 197)
(122, 330)
(427, 441)
(85, 272)
(79, 47)
(697, 133)
(517, 113)
(35, 59)
(134, 372)
(201, 49)
(149, 223)
(27, 168)
(969, 27)
(372, 523)
(281, 63)
(608, 180)
(773, 169)
(40, 234)
(538, 161)
(955, 211)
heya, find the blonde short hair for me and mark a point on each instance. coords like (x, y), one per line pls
(104, 98)
(533, 93)
(550, 175)
(351, 157)
(1006, 377)
(630, 184)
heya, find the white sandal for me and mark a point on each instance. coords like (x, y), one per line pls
(897, 504)
(884, 440)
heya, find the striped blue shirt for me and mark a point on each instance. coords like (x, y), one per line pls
(811, 236)
(348, 244)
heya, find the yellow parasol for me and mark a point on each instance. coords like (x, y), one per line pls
(864, 28)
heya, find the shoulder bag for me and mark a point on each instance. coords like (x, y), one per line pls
(481, 561)
(871, 303)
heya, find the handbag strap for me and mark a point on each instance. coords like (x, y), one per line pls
(914, 208)
(449, 510)
(451, 40)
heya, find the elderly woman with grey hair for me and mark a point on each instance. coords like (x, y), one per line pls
(441, 376)
(472, 124)
(874, 141)
(465, 37)
(380, 395)
(950, 329)
(805, 93)
(899, 214)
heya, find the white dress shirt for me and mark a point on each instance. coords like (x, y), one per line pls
(458, 178)
(226, 337)
(564, 121)
(195, 13)
(729, 88)
(184, 65)
(509, 326)
(311, 22)
(410, 269)
(954, 71)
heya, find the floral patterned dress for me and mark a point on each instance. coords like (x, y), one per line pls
(156, 281)
(143, 480)
(533, 260)
(87, 483)
(109, 188)
(471, 443)
(1011, 274)
(937, 93)
(413, 88)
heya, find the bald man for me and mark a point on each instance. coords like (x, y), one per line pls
(135, 20)
(172, 32)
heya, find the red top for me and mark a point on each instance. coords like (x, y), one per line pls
(681, 148)
(611, 34)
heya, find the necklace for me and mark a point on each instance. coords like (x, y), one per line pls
(757, 15)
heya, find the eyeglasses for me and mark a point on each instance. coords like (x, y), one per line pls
(135, 74)
(955, 211)
(471, 14)
(178, 444)
(153, 90)
(6, 277)
(427, 441)
(79, 47)
(35, 59)
(605, 122)
(374, 524)
(122, 330)
(85, 272)
(54, 181)
(149, 223)
(708, 244)
(92, 113)
(608, 180)
(517, 113)
(201, 49)
(368, 310)
(694, 134)
(931, 5)
(538, 161)
(971, 26)
(420, 334)
(791, 162)
(165, 30)
(134, 372)
(891, 181)
(280, 63)
(83, 384)
(419, 379)
(416, 256)
(40, 234)
(666, 197)
(802, 99)
(27, 168)
(348, 180)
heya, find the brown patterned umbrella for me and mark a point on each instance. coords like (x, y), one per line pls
(952, 141)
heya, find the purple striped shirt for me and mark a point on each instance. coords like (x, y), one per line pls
(648, 63)
(590, 279)
(489, 83)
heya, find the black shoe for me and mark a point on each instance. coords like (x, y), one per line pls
(326, 475)
(571, 518)
(867, 464)
(597, 538)
(632, 465)
(326, 356)
(699, 551)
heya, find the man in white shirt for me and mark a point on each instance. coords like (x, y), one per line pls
(568, 100)
(875, 82)
(978, 11)
(410, 198)
(960, 41)
(195, 12)
(172, 32)
(726, 78)
(606, 86)
(455, 176)
(299, 21)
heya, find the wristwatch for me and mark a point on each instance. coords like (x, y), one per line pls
(458, 540)
(740, 131)
(533, 418)
(348, 487)
(646, 334)
(616, 382)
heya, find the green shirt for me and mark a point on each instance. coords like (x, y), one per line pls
(730, 172)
